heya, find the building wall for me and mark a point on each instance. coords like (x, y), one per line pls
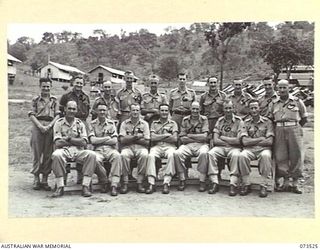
(12, 69)
(55, 73)
(94, 75)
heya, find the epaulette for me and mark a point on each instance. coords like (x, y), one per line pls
(146, 93)
(220, 118)
(186, 118)
(223, 94)
(60, 119)
(249, 119)
(263, 118)
(109, 121)
(94, 121)
(36, 98)
(175, 89)
(237, 117)
(203, 117)
(53, 98)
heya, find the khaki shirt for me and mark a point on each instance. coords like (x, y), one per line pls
(231, 128)
(45, 109)
(181, 101)
(106, 128)
(83, 103)
(113, 107)
(189, 126)
(241, 104)
(263, 128)
(141, 127)
(212, 106)
(159, 128)
(264, 102)
(150, 101)
(292, 109)
(126, 97)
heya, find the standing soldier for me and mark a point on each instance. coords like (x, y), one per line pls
(104, 137)
(211, 102)
(180, 100)
(240, 99)
(226, 138)
(134, 138)
(127, 96)
(43, 115)
(70, 137)
(269, 96)
(109, 100)
(164, 138)
(151, 101)
(257, 139)
(289, 115)
(194, 138)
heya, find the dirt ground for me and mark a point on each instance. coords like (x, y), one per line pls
(25, 202)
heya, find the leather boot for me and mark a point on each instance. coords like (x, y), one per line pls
(202, 186)
(104, 188)
(233, 190)
(263, 192)
(296, 190)
(114, 191)
(86, 192)
(124, 188)
(44, 184)
(36, 183)
(182, 185)
(214, 188)
(140, 188)
(150, 189)
(58, 193)
(245, 190)
(166, 189)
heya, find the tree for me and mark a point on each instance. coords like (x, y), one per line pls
(169, 68)
(47, 38)
(18, 50)
(219, 36)
(101, 33)
(28, 42)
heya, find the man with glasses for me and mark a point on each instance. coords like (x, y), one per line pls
(194, 138)
(151, 101)
(109, 100)
(70, 138)
(128, 95)
(164, 138)
(180, 99)
(269, 96)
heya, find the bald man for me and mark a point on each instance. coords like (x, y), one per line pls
(194, 139)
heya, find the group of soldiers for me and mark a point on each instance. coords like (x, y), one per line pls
(128, 125)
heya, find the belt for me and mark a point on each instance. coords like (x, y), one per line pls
(286, 124)
(45, 118)
(178, 112)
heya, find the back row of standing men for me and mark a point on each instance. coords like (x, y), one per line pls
(216, 114)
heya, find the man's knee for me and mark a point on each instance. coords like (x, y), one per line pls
(57, 154)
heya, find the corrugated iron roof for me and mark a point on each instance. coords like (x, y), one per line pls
(12, 58)
(66, 67)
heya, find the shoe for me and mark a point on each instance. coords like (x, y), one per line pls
(36, 183)
(140, 188)
(202, 187)
(263, 192)
(245, 190)
(278, 188)
(124, 188)
(114, 191)
(166, 189)
(150, 189)
(214, 188)
(58, 193)
(86, 192)
(182, 185)
(296, 190)
(45, 186)
(104, 188)
(233, 190)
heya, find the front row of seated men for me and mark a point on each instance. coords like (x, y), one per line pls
(235, 140)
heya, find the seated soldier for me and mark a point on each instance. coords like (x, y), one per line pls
(164, 137)
(103, 136)
(70, 137)
(226, 138)
(194, 138)
(257, 139)
(134, 139)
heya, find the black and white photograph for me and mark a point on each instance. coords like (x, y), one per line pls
(197, 119)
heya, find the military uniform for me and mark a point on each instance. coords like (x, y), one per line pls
(113, 108)
(163, 149)
(126, 97)
(45, 110)
(240, 103)
(149, 102)
(135, 150)
(288, 146)
(180, 103)
(212, 106)
(83, 103)
(232, 129)
(87, 158)
(262, 128)
(107, 152)
(264, 102)
(198, 149)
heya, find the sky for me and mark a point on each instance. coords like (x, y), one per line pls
(35, 31)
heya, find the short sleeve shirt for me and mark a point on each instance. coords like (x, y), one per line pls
(232, 128)
(140, 128)
(264, 102)
(112, 107)
(126, 97)
(241, 104)
(181, 101)
(150, 101)
(190, 126)
(44, 108)
(292, 109)
(83, 103)
(159, 128)
(212, 105)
